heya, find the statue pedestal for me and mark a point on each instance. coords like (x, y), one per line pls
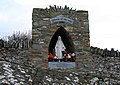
(61, 65)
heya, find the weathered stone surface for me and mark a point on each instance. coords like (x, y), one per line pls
(37, 46)
(15, 69)
(61, 65)
(78, 30)
(91, 68)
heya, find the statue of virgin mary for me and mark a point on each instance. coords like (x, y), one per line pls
(59, 47)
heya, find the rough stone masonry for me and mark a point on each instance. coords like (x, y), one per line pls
(45, 23)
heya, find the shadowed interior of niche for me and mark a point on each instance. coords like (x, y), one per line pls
(66, 38)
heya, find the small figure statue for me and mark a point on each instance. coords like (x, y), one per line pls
(59, 48)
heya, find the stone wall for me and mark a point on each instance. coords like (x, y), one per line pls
(43, 28)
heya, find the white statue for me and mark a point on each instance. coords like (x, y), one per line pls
(59, 47)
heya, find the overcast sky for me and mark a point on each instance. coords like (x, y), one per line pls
(104, 18)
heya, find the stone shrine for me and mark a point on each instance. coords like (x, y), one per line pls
(50, 23)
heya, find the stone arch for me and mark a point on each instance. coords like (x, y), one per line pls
(66, 38)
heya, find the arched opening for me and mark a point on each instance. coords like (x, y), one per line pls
(69, 49)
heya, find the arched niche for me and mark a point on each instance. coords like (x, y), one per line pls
(66, 38)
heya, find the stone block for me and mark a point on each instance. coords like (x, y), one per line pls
(61, 65)
(36, 46)
(35, 24)
(35, 52)
(76, 43)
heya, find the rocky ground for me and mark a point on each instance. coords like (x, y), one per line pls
(17, 69)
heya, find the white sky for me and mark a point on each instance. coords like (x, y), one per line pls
(104, 18)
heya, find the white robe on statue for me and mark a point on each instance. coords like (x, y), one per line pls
(59, 47)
